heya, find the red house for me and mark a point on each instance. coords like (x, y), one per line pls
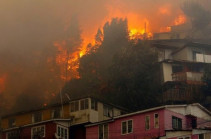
(165, 122)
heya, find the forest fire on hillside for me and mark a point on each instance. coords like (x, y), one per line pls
(138, 28)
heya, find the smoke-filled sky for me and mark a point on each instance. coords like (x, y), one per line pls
(30, 28)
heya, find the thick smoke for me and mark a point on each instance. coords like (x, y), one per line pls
(28, 70)
(200, 18)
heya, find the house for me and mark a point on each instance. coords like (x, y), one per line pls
(166, 122)
(182, 64)
(58, 121)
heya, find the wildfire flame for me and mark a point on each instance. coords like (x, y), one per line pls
(139, 27)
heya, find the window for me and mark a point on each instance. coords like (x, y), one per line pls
(11, 122)
(186, 137)
(201, 136)
(94, 105)
(127, 127)
(38, 132)
(84, 104)
(103, 131)
(13, 135)
(156, 120)
(56, 113)
(194, 123)
(147, 122)
(74, 106)
(198, 56)
(37, 117)
(62, 132)
(107, 111)
(176, 123)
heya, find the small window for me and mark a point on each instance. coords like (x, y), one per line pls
(13, 134)
(94, 105)
(185, 137)
(11, 122)
(103, 131)
(38, 132)
(194, 123)
(127, 127)
(156, 120)
(74, 106)
(107, 111)
(176, 123)
(62, 132)
(56, 113)
(84, 104)
(201, 136)
(37, 117)
(147, 122)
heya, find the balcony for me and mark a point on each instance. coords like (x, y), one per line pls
(188, 76)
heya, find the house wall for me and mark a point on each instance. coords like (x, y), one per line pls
(184, 54)
(25, 132)
(138, 127)
(191, 110)
(168, 119)
(178, 134)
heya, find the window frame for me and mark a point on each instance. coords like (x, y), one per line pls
(145, 122)
(202, 135)
(177, 126)
(127, 125)
(103, 131)
(94, 104)
(33, 117)
(65, 128)
(76, 106)
(84, 104)
(13, 131)
(155, 121)
(108, 109)
(36, 129)
(13, 123)
(53, 112)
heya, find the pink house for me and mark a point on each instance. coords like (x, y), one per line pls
(166, 122)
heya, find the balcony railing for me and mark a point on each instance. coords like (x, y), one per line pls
(187, 76)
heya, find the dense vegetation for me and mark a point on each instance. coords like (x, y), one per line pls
(118, 70)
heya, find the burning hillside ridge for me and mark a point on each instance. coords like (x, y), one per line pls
(42, 43)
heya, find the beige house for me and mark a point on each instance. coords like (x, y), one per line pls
(182, 63)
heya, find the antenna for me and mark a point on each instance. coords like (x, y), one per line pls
(61, 103)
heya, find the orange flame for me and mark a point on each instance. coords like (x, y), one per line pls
(67, 61)
(139, 27)
(181, 19)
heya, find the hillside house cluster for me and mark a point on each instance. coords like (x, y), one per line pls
(89, 118)
(56, 121)
(165, 122)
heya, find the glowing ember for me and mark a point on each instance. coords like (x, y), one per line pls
(165, 29)
(181, 19)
